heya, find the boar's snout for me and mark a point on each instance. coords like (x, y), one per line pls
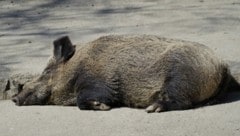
(16, 100)
(21, 100)
(32, 94)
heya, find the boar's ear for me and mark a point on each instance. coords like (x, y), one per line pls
(63, 49)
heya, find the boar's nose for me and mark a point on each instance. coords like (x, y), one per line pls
(16, 101)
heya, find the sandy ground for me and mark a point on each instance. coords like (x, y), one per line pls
(28, 27)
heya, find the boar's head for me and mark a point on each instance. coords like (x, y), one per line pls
(38, 91)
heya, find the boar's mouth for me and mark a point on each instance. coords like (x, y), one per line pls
(31, 98)
(19, 101)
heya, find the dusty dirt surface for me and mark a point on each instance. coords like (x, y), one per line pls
(28, 28)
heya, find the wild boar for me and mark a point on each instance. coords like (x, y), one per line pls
(140, 71)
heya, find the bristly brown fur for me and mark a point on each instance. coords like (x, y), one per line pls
(134, 71)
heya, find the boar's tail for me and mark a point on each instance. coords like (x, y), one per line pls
(229, 84)
(234, 84)
(232, 90)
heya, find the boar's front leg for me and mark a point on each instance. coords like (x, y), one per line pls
(96, 96)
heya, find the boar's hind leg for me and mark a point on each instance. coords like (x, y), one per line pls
(96, 97)
(172, 98)
(160, 106)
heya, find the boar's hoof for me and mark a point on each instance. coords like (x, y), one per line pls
(94, 105)
(155, 107)
(100, 106)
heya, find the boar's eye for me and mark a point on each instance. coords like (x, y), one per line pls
(49, 68)
(45, 75)
(46, 71)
